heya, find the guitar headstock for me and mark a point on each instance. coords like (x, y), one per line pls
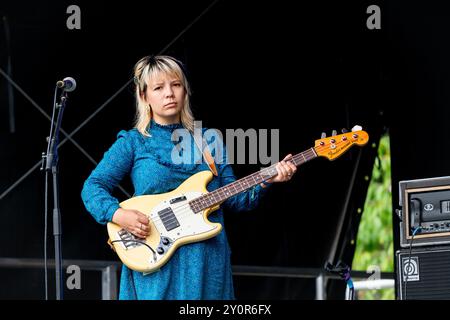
(334, 146)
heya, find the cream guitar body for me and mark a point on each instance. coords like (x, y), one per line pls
(172, 223)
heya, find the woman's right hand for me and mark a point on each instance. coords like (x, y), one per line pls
(133, 221)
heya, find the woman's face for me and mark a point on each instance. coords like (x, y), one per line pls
(165, 95)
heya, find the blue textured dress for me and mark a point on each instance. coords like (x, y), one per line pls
(199, 270)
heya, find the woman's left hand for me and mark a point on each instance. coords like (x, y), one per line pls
(285, 170)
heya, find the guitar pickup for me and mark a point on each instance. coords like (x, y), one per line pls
(178, 199)
(168, 219)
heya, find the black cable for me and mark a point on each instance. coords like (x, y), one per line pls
(12, 125)
(409, 260)
(141, 242)
(45, 235)
(53, 119)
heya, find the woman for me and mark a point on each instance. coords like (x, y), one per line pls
(199, 270)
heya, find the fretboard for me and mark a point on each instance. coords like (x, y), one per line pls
(219, 195)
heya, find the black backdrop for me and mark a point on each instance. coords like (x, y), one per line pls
(300, 68)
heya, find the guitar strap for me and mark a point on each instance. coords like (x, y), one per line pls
(206, 154)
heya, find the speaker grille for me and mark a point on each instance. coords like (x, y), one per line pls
(428, 273)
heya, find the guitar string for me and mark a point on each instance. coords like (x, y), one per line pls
(178, 211)
(183, 207)
(181, 211)
(299, 156)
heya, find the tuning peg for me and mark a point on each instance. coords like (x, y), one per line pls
(344, 130)
(323, 135)
(334, 132)
(356, 128)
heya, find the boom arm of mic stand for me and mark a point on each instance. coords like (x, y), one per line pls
(52, 156)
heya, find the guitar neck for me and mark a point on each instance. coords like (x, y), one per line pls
(219, 195)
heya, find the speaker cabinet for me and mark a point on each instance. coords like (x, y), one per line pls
(423, 274)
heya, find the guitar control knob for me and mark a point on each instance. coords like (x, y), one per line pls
(160, 250)
(165, 241)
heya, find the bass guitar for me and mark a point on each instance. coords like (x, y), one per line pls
(180, 216)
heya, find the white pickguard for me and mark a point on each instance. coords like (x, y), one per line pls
(190, 223)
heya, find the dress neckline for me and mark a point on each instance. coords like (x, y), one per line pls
(170, 126)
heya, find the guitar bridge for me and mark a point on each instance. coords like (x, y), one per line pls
(129, 239)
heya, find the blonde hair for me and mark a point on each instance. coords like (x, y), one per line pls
(146, 68)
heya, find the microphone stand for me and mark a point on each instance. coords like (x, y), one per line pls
(51, 165)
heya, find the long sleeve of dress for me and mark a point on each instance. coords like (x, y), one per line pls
(244, 201)
(97, 189)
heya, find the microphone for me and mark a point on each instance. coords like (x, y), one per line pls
(68, 84)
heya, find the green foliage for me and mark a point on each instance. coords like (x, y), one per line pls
(374, 245)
